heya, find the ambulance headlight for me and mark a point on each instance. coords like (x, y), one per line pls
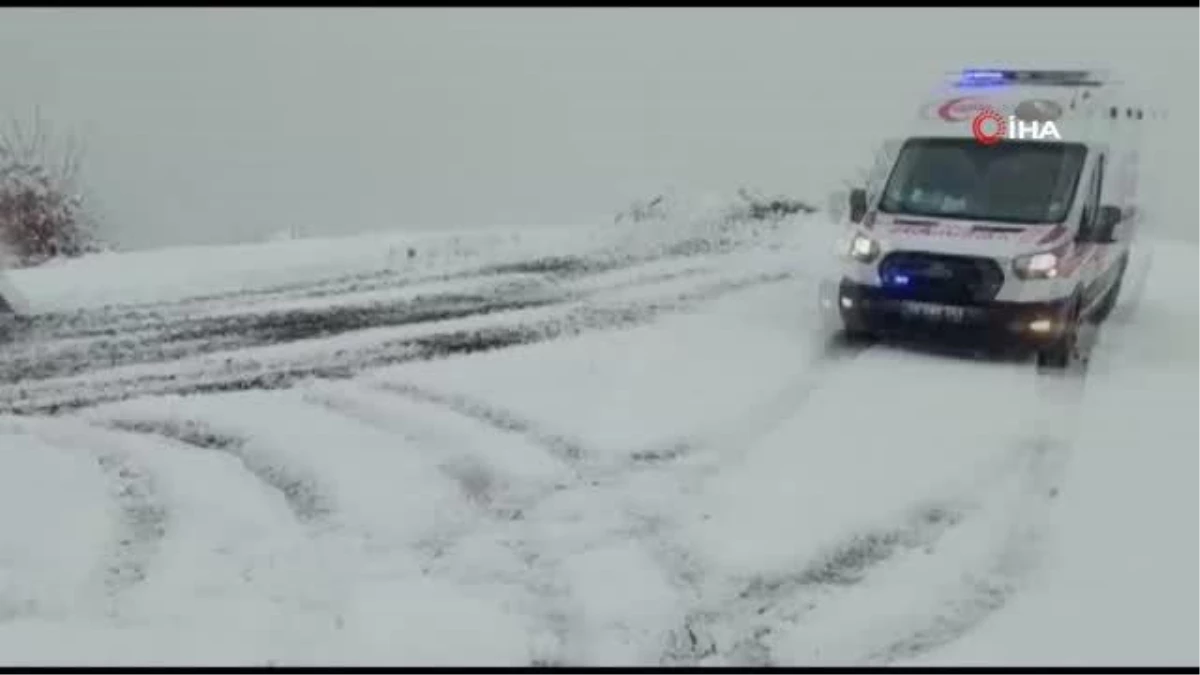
(863, 248)
(1037, 265)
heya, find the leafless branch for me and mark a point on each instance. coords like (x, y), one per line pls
(42, 214)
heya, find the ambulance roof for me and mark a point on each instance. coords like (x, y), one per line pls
(1079, 103)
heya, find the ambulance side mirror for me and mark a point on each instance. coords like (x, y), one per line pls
(1106, 223)
(858, 205)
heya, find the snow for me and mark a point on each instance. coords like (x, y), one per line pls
(189, 271)
(37, 572)
(700, 482)
(614, 378)
(1123, 584)
(710, 486)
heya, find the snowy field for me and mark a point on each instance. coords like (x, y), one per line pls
(632, 445)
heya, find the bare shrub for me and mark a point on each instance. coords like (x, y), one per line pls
(42, 210)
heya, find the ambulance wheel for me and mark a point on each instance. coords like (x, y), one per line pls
(1060, 354)
(1109, 301)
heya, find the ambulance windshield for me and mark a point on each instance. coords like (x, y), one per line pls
(1013, 182)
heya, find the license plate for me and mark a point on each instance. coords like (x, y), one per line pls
(931, 310)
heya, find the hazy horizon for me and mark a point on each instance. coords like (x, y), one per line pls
(225, 125)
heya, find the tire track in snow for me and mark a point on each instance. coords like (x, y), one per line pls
(830, 353)
(243, 371)
(142, 517)
(122, 319)
(116, 320)
(236, 547)
(509, 501)
(988, 589)
(143, 523)
(560, 267)
(739, 629)
(694, 642)
(479, 483)
(1042, 461)
(196, 337)
(571, 451)
(558, 445)
(651, 531)
(208, 438)
(189, 336)
(542, 577)
(505, 515)
(603, 481)
(541, 565)
(301, 492)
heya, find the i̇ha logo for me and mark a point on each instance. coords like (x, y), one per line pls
(989, 128)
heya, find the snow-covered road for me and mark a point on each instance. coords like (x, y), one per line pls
(514, 449)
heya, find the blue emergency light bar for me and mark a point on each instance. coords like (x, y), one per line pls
(990, 77)
(986, 76)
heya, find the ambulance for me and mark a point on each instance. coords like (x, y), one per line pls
(1004, 217)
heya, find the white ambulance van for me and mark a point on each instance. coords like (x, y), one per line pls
(1003, 218)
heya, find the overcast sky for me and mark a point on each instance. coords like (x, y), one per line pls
(215, 125)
